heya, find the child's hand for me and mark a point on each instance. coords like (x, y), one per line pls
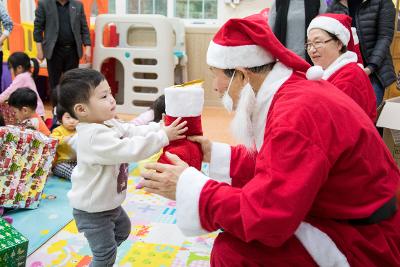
(174, 131)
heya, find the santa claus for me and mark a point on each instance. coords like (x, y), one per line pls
(307, 189)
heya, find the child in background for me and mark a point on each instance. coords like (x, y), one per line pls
(153, 114)
(20, 66)
(104, 147)
(23, 101)
(66, 136)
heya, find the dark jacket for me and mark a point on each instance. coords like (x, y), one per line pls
(46, 21)
(374, 20)
(337, 8)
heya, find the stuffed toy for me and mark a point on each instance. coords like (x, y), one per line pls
(185, 101)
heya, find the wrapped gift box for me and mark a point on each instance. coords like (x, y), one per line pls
(26, 157)
(13, 246)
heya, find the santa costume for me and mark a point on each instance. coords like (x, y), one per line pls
(312, 193)
(185, 101)
(344, 72)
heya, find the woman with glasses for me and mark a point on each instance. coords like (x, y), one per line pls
(330, 46)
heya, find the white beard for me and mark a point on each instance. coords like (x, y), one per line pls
(241, 125)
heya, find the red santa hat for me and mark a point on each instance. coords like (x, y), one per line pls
(249, 42)
(337, 24)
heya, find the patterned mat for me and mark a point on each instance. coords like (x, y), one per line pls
(53, 213)
(155, 239)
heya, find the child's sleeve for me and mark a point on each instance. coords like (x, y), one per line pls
(106, 147)
(140, 130)
(9, 90)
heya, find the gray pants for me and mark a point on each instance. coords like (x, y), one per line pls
(104, 231)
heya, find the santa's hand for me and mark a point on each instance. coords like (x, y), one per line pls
(206, 146)
(176, 130)
(162, 178)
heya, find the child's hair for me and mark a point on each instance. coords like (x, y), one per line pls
(23, 97)
(60, 111)
(2, 123)
(159, 108)
(21, 59)
(76, 87)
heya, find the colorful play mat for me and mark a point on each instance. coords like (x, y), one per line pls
(155, 239)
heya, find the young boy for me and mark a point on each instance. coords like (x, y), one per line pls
(23, 101)
(66, 136)
(104, 147)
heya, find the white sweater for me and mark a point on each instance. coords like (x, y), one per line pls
(99, 179)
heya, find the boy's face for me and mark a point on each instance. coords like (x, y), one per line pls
(22, 114)
(68, 122)
(101, 106)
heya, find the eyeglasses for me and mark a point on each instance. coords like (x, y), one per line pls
(316, 45)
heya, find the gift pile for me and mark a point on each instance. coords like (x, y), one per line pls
(26, 157)
(13, 246)
(8, 114)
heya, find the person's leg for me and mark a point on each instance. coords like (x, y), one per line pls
(54, 68)
(98, 229)
(1, 70)
(233, 252)
(122, 227)
(71, 59)
(64, 169)
(378, 88)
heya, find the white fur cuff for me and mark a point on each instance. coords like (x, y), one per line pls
(220, 165)
(188, 191)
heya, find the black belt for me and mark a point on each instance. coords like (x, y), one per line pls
(385, 212)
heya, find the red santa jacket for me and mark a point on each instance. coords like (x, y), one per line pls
(323, 162)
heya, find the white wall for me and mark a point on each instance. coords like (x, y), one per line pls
(245, 8)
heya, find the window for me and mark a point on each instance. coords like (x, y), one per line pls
(196, 9)
(146, 7)
(188, 9)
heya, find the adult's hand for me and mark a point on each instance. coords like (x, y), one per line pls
(162, 178)
(88, 54)
(40, 55)
(367, 71)
(206, 146)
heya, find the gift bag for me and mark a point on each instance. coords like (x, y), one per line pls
(26, 157)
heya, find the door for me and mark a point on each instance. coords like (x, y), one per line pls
(393, 90)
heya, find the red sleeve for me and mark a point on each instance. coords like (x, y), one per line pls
(289, 171)
(243, 162)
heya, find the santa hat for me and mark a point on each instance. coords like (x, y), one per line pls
(185, 101)
(249, 42)
(337, 24)
(340, 26)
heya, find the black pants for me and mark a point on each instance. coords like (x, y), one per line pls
(63, 59)
(1, 71)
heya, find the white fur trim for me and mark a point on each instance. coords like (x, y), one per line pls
(230, 57)
(330, 25)
(185, 101)
(320, 246)
(278, 75)
(355, 36)
(188, 190)
(314, 73)
(344, 59)
(220, 165)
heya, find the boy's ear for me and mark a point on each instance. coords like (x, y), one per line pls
(80, 110)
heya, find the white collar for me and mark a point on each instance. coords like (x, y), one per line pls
(344, 59)
(278, 75)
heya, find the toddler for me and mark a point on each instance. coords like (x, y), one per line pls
(23, 102)
(104, 148)
(65, 134)
(20, 66)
